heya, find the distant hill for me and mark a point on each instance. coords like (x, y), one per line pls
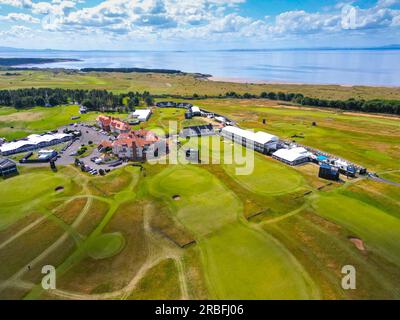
(8, 62)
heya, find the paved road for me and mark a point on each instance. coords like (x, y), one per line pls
(378, 179)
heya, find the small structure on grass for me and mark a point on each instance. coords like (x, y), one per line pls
(192, 155)
(328, 172)
(7, 168)
(188, 115)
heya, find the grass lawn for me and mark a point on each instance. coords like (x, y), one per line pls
(25, 193)
(181, 85)
(379, 230)
(106, 245)
(233, 253)
(371, 141)
(268, 177)
(243, 263)
(204, 204)
(115, 225)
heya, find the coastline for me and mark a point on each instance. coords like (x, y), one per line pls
(260, 82)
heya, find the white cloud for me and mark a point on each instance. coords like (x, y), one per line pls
(17, 3)
(19, 17)
(16, 31)
(208, 20)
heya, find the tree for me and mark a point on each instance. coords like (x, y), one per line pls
(88, 104)
(149, 101)
(133, 102)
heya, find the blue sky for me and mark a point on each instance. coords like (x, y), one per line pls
(198, 24)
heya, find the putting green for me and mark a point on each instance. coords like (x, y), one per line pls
(106, 245)
(204, 205)
(379, 230)
(267, 177)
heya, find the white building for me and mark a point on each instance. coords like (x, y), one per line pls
(220, 119)
(260, 141)
(292, 156)
(196, 111)
(34, 141)
(142, 114)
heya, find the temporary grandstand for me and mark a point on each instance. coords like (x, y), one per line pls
(293, 156)
(172, 104)
(197, 131)
(260, 141)
(34, 141)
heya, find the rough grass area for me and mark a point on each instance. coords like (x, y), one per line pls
(24, 249)
(163, 223)
(159, 283)
(111, 273)
(182, 85)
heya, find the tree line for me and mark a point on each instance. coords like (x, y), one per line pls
(375, 106)
(103, 100)
(93, 100)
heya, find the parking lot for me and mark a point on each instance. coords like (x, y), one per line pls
(89, 134)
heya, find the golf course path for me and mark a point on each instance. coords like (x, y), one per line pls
(158, 248)
(23, 231)
(18, 275)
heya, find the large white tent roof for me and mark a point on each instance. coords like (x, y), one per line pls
(142, 113)
(259, 137)
(293, 154)
(33, 139)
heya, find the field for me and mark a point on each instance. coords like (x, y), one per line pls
(200, 231)
(186, 85)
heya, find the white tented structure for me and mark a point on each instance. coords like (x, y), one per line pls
(261, 141)
(142, 114)
(220, 119)
(292, 156)
(34, 141)
(196, 111)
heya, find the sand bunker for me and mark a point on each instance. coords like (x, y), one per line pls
(176, 197)
(358, 243)
(59, 189)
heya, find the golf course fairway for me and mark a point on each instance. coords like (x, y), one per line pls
(233, 252)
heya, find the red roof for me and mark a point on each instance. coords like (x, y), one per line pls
(120, 125)
(105, 120)
(105, 144)
(139, 138)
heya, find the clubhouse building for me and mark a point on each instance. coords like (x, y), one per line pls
(135, 145)
(113, 125)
